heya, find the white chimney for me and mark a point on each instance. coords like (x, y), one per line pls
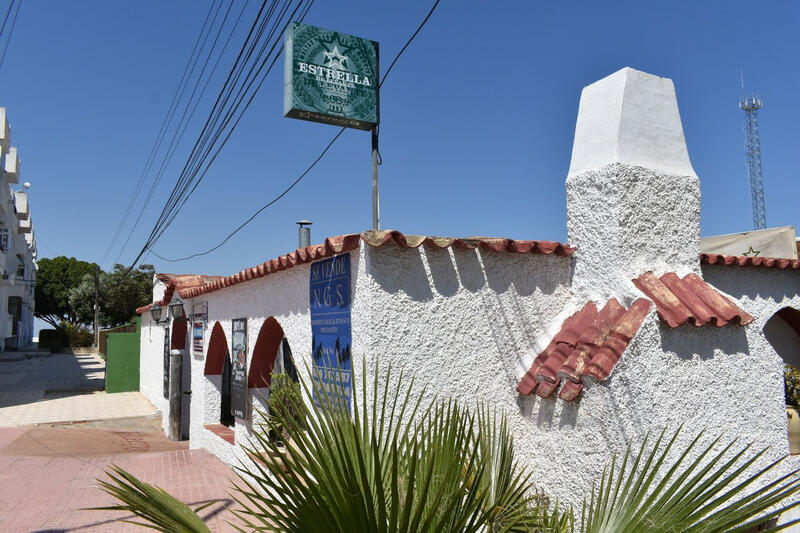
(633, 198)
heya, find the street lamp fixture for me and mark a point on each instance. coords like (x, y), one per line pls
(155, 311)
(176, 309)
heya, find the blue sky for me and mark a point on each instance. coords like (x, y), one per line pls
(477, 120)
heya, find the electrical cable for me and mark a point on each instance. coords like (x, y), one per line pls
(5, 19)
(313, 164)
(236, 65)
(254, 215)
(212, 131)
(179, 200)
(184, 120)
(10, 33)
(176, 97)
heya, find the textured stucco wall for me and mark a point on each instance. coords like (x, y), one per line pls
(626, 220)
(467, 324)
(464, 323)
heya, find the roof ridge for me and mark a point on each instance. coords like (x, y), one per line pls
(375, 238)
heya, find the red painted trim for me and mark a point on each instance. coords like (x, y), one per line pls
(264, 354)
(217, 351)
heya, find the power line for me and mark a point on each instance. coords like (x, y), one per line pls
(10, 32)
(5, 19)
(176, 98)
(184, 120)
(252, 63)
(194, 175)
(313, 164)
(254, 215)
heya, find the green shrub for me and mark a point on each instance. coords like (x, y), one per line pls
(791, 382)
(77, 336)
(285, 401)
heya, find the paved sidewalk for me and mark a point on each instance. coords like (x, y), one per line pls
(40, 493)
(30, 380)
(77, 408)
(62, 388)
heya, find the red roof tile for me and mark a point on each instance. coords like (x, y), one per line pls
(740, 260)
(180, 282)
(588, 345)
(690, 299)
(347, 243)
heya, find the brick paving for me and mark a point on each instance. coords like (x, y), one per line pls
(40, 493)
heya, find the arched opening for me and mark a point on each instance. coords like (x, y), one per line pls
(782, 331)
(218, 363)
(271, 355)
(265, 353)
(217, 351)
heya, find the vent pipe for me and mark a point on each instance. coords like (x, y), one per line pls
(304, 233)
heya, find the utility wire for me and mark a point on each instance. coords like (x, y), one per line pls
(10, 33)
(184, 120)
(226, 115)
(313, 164)
(176, 97)
(5, 19)
(193, 175)
(254, 215)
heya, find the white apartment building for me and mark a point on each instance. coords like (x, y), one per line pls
(17, 249)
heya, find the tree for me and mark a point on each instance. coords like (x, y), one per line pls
(81, 299)
(54, 280)
(122, 291)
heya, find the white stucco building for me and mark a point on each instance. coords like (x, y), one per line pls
(17, 249)
(627, 329)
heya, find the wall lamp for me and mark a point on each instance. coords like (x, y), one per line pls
(176, 308)
(155, 311)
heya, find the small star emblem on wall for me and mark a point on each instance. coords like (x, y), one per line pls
(751, 252)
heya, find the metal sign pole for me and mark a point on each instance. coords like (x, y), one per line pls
(376, 208)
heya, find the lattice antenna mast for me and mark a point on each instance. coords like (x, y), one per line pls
(752, 146)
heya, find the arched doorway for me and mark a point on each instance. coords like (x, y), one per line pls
(218, 363)
(782, 331)
(271, 354)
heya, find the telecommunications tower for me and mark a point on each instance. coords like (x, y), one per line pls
(752, 146)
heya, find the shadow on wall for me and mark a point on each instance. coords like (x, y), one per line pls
(688, 341)
(403, 270)
(753, 282)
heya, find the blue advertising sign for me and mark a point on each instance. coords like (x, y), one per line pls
(329, 302)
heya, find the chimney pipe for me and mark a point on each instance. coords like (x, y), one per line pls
(304, 233)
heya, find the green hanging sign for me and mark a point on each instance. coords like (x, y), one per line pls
(330, 77)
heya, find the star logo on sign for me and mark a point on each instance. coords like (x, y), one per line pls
(335, 59)
(751, 252)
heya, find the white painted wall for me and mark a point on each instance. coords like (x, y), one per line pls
(283, 296)
(463, 323)
(151, 365)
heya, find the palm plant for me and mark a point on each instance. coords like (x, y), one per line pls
(398, 464)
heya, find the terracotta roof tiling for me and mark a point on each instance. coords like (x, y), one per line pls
(586, 348)
(349, 242)
(740, 260)
(689, 299)
(179, 282)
